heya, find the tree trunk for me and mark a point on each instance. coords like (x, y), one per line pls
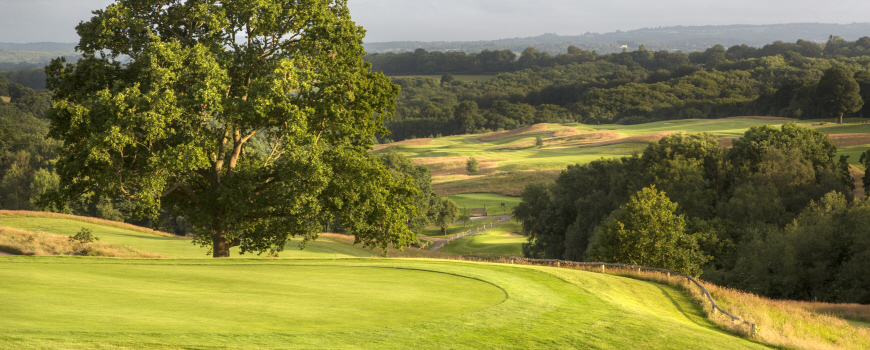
(220, 246)
(841, 119)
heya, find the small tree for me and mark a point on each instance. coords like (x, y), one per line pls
(865, 160)
(447, 78)
(539, 141)
(646, 231)
(446, 214)
(839, 93)
(84, 236)
(471, 166)
(465, 217)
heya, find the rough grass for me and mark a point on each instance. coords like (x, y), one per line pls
(6, 99)
(43, 214)
(328, 245)
(76, 303)
(21, 242)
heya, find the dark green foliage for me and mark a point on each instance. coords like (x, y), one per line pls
(427, 201)
(84, 236)
(471, 166)
(646, 231)
(732, 200)
(445, 214)
(539, 141)
(865, 161)
(839, 93)
(780, 79)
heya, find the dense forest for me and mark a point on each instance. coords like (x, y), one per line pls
(778, 79)
(773, 215)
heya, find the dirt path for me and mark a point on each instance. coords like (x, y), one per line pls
(4, 253)
(438, 243)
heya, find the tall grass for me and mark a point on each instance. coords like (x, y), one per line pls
(41, 243)
(115, 224)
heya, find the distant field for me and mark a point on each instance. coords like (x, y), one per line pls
(457, 228)
(459, 77)
(94, 303)
(492, 202)
(509, 160)
(496, 241)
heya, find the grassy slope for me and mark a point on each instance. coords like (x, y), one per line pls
(327, 245)
(52, 302)
(492, 242)
(507, 171)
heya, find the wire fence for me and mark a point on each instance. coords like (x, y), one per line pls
(716, 307)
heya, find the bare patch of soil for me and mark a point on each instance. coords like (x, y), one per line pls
(858, 179)
(725, 142)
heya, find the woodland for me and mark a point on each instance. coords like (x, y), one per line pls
(632, 87)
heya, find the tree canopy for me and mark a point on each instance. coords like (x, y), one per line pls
(839, 93)
(253, 119)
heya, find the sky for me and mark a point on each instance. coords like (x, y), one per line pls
(24, 21)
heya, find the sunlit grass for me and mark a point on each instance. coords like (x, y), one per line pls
(496, 241)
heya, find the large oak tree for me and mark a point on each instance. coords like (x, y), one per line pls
(252, 117)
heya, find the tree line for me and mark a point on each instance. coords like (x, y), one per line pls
(773, 215)
(779, 79)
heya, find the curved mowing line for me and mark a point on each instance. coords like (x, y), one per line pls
(709, 297)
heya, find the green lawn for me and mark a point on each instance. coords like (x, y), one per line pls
(172, 246)
(94, 303)
(457, 228)
(492, 202)
(490, 243)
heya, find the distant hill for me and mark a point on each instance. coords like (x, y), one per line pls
(15, 56)
(683, 38)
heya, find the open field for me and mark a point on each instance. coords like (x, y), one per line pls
(457, 228)
(501, 240)
(51, 302)
(510, 159)
(328, 245)
(492, 202)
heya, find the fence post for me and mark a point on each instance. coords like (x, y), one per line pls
(602, 268)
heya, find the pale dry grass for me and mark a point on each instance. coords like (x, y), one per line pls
(566, 132)
(569, 139)
(6, 99)
(846, 140)
(858, 312)
(41, 243)
(542, 128)
(43, 214)
(654, 137)
(411, 142)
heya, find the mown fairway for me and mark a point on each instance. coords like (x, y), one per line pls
(62, 302)
(501, 240)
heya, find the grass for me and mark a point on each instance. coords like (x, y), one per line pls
(6, 99)
(784, 324)
(22, 242)
(95, 303)
(493, 242)
(492, 202)
(515, 162)
(328, 245)
(457, 228)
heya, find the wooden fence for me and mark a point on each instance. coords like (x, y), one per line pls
(636, 267)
